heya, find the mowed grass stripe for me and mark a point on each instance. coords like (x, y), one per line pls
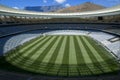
(84, 52)
(87, 70)
(39, 51)
(72, 58)
(51, 67)
(27, 47)
(97, 67)
(56, 51)
(80, 59)
(96, 54)
(65, 60)
(19, 55)
(17, 52)
(109, 61)
(36, 47)
(59, 58)
(64, 68)
(46, 59)
(72, 53)
(32, 52)
(45, 51)
(103, 52)
(51, 51)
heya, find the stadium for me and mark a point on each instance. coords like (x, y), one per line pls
(59, 46)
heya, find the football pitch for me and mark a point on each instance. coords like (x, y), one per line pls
(63, 55)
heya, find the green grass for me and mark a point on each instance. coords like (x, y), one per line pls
(68, 55)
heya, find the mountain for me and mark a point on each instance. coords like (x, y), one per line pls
(44, 8)
(88, 6)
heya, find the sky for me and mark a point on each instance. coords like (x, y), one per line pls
(20, 4)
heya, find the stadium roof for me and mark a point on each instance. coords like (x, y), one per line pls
(16, 12)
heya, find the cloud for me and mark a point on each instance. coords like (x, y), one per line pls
(60, 1)
(45, 1)
(67, 5)
(15, 7)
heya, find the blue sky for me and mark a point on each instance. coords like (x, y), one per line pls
(23, 3)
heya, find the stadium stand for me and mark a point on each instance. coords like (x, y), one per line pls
(18, 29)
